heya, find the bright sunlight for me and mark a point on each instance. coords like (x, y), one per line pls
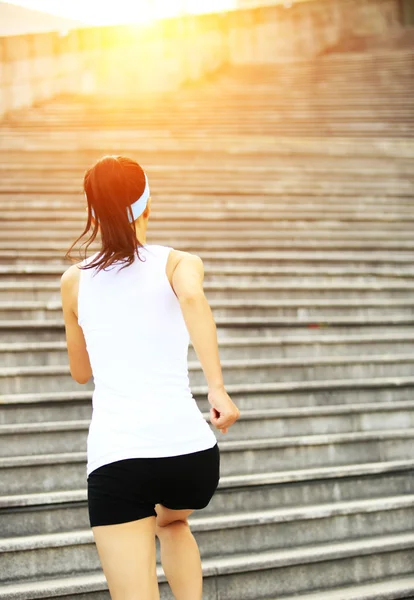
(99, 12)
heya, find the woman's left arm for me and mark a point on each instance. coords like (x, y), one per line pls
(80, 366)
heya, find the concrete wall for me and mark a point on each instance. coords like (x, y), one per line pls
(407, 10)
(135, 60)
(19, 20)
(276, 33)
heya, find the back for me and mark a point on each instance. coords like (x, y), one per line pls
(137, 342)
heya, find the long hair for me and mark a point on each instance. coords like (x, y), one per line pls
(111, 185)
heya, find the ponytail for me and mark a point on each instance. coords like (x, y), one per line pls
(111, 186)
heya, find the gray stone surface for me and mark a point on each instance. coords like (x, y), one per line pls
(65, 470)
(298, 196)
(70, 436)
(40, 555)
(21, 380)
(53, 512)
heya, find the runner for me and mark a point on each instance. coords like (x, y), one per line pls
(130, 311)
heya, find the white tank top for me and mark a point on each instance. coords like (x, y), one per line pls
(137, 342)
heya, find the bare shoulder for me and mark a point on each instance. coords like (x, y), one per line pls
(174, 259)
(176, 256)
(70, 274)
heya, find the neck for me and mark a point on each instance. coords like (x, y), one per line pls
(140, 231)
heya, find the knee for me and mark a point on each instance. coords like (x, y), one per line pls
(170, 529)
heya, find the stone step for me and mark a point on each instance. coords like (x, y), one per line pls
(252, 290)
(369, 148)
(253, 263)
(237, 85)
(255, 307)
(74, 217)
(83, 121)
(208, 203)
(244, 310)
(345, 85)
(298, 262)
(357, 125)
(53, 512)
(218, 221)
(221, 111)
(249, 288)
(312, 145)
(225, 202)
(67, 471)
(226, 217)
(189, 202)
(237, 96)
(163, 168)
(50, 353)
(344, 131)
(57, 377)
(379, 558)
(17, 331)
(286, 279)
(331, 67)
(287, 346)
(30, 331)
(192, 243)
(190, 214)
(36, 121)
(225, 211)
(297, 122)
(239, 88)
(393, 588)
(74, 405)
(181, 222)
(273, 529)
(50, 437)
(165, 171)
(260, 187)
(269, 200)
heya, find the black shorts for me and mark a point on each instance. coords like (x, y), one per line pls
(127, 490)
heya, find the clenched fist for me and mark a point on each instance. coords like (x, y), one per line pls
(223, 412)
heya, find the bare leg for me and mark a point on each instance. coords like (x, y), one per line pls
(180, 555)
(128, 556)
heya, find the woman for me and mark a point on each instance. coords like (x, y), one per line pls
(152, 459)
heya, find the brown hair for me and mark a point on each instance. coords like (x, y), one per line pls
(111, 185)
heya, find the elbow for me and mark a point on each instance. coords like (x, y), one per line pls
(80, 370)
(192, 298)
(81, 377)
(79, 380)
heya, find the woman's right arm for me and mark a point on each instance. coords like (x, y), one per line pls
(187, 280)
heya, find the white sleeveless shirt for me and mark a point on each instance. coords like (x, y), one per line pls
(137, 342)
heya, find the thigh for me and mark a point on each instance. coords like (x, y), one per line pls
(191, 479)
(127, 553)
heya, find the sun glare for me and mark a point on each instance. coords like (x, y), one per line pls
(97, 12)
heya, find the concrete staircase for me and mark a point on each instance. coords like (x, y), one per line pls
(295, 185)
